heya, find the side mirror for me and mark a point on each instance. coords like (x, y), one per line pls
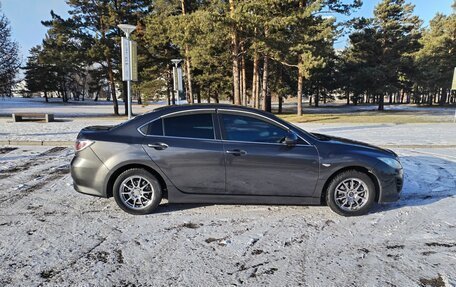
(291, 139)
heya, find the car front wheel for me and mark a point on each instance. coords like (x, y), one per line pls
(136, 191)
(351, 193)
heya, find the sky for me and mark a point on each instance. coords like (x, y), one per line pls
(25, 17)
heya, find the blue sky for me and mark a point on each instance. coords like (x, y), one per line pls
(425, 9)
(25, 20)
(25, 17)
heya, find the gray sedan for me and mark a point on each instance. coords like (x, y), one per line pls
(230, 154)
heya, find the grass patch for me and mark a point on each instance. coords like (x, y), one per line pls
(366, 117)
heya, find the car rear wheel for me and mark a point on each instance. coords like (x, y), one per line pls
(137, 191)
(351, 193)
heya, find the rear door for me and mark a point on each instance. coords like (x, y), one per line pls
(257, 163)
(185, 147)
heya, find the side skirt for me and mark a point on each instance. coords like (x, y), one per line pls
(176, 196)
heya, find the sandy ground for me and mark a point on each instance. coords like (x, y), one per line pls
(52, 236)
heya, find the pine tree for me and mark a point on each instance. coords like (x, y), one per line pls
(9, 59)
(436, 59)
(383, 47)
(40, 76)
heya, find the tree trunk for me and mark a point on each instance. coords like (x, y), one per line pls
(299, 96)
(46, 97)
(280, 104)
(188, 73)
(244, 79)
(235, 57)
(255, 81)
(381, 102)
(317, 98)
(113, 86)
(187, 68)
(443, 97)
(170, 88)
(347, 95)
(216, 97)
(264, 92)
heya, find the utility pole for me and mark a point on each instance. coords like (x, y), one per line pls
(129, 61)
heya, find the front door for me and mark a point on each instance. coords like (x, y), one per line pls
(258, 163)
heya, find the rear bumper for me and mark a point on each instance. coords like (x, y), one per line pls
(88, 173)
(391, 186)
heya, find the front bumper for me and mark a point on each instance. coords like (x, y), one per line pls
(391, 186)
(88, 173)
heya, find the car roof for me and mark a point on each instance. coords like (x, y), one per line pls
(185, 107)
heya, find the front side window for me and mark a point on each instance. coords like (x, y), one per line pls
(190, 126)
(251, 129)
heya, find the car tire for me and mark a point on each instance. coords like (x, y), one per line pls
(351, 193)
(137, 191)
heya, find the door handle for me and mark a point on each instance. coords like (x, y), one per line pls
(236, 152)
(158, 146)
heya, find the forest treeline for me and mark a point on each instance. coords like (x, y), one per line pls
(250, 52)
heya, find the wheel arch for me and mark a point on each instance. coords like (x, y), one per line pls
(119, 170)
(362, 169)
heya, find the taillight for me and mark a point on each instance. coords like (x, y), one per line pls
(82, 144)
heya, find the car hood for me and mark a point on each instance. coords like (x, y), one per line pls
(353, 143)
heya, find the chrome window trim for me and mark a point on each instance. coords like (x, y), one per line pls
(279, 144)
(269, 119)
(184, 138)
(176, 113)
(188, 111)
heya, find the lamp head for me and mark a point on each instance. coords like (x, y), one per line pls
(127, 28)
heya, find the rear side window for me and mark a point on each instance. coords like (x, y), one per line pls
(190, 126)
(154, 128)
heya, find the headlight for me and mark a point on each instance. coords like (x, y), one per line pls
(394, 163)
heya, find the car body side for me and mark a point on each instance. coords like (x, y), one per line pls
(115, 150)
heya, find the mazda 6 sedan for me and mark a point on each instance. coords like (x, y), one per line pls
(230, 154)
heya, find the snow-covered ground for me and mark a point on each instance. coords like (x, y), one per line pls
(52, 236)
(55, 106)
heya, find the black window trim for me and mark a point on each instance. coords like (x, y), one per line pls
(178, 113)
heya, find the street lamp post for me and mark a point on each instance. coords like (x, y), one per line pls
(128, 29)
(177, 78)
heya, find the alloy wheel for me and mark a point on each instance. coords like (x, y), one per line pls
(136, 192)
(351, 194)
